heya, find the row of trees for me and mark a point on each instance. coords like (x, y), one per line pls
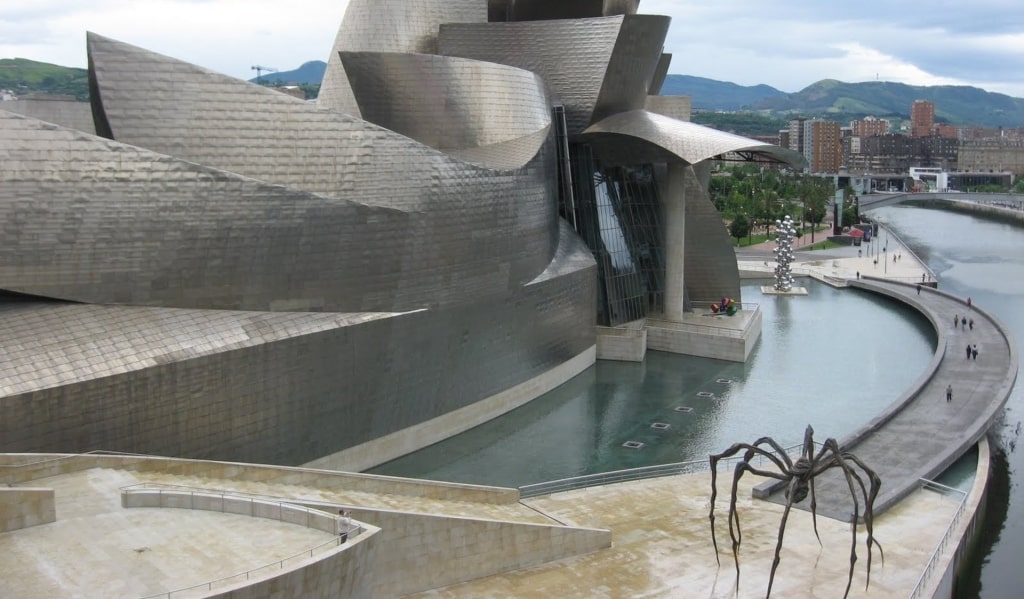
(750, 196)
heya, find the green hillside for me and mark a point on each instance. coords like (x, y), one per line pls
(957, 105)
(25, 76)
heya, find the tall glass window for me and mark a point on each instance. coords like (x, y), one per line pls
(618, 214)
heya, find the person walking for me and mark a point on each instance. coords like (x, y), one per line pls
(344, 524)
(970, 324)
(968, 351)
(968, 303)
(919, 289)
(949, 392)
(956, 320)
(963, 323)
(974, 351)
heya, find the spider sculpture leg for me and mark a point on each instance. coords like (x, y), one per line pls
(778, 545)
(831, 456)
(780, 459)
(808, 453)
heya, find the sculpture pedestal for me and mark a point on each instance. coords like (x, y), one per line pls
(771, 290)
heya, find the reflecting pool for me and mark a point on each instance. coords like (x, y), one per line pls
(832, 359)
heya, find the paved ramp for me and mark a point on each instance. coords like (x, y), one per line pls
(921, 434)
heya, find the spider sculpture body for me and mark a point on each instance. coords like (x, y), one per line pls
(799, 478)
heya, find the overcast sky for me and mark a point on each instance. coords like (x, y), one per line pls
(787, 44)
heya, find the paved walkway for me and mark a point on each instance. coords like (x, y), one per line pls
(660, 527)
(922, 434)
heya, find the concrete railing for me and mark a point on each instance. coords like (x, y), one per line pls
(174, 496)
(644, 472)
(948, 536)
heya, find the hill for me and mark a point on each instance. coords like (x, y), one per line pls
(23, 76)
(840, 101)
(954, 104)
(310, 73)
(709, 94)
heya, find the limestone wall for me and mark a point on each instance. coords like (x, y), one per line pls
(421, 552)
(22, 508)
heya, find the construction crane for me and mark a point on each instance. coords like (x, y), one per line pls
(260, 69)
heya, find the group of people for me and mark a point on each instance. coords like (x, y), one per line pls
(972, 348)
(963, 321)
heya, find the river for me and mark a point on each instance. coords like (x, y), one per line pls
(983, 260)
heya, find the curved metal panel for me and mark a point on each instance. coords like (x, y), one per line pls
(571, 56)
(269, 388)
(632, 66)
(666, 137)
(389, 26)
(541, 10)
(103, 222)
(504, 155)
(254, 131)
(659, 75)
(448, 103)
(710, 269)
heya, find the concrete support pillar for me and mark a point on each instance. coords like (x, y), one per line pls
(673, 197)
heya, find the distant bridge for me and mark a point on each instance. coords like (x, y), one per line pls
(1002, 200)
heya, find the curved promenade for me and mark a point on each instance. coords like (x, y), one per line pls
(922, 434)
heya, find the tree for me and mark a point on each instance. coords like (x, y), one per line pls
(739, 227)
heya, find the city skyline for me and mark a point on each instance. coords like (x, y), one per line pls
(787, 47)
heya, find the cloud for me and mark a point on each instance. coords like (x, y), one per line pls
(227, 36)
(788, 45)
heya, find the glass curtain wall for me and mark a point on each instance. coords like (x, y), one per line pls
(616, 211)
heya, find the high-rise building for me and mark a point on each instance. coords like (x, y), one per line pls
(822, 146)
(922, 118)
(868, 126)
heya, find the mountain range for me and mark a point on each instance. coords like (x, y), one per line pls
(840, 101)
(755, 109)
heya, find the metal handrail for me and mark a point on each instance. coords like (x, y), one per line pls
(644, 472)
(248, 574)
(947, 536)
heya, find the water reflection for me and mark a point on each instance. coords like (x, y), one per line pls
(834, 359)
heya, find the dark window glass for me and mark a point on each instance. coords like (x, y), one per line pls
(618, 214)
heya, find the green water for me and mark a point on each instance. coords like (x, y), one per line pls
(832, 359)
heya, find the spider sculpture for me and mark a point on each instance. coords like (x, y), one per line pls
(799, 478)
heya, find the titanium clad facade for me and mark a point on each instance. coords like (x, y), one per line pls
(614, 59)
(449, 103)
(255, 386)
(401, 26)
(572, 56)
(660, 73)
(272, 388)
(261, 279)
(633, 65)
(710, 258)
(103, 222)
(539, 10)
(686, 141)
(679, 108)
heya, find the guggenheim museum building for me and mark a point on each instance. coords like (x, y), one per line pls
(483, 190)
